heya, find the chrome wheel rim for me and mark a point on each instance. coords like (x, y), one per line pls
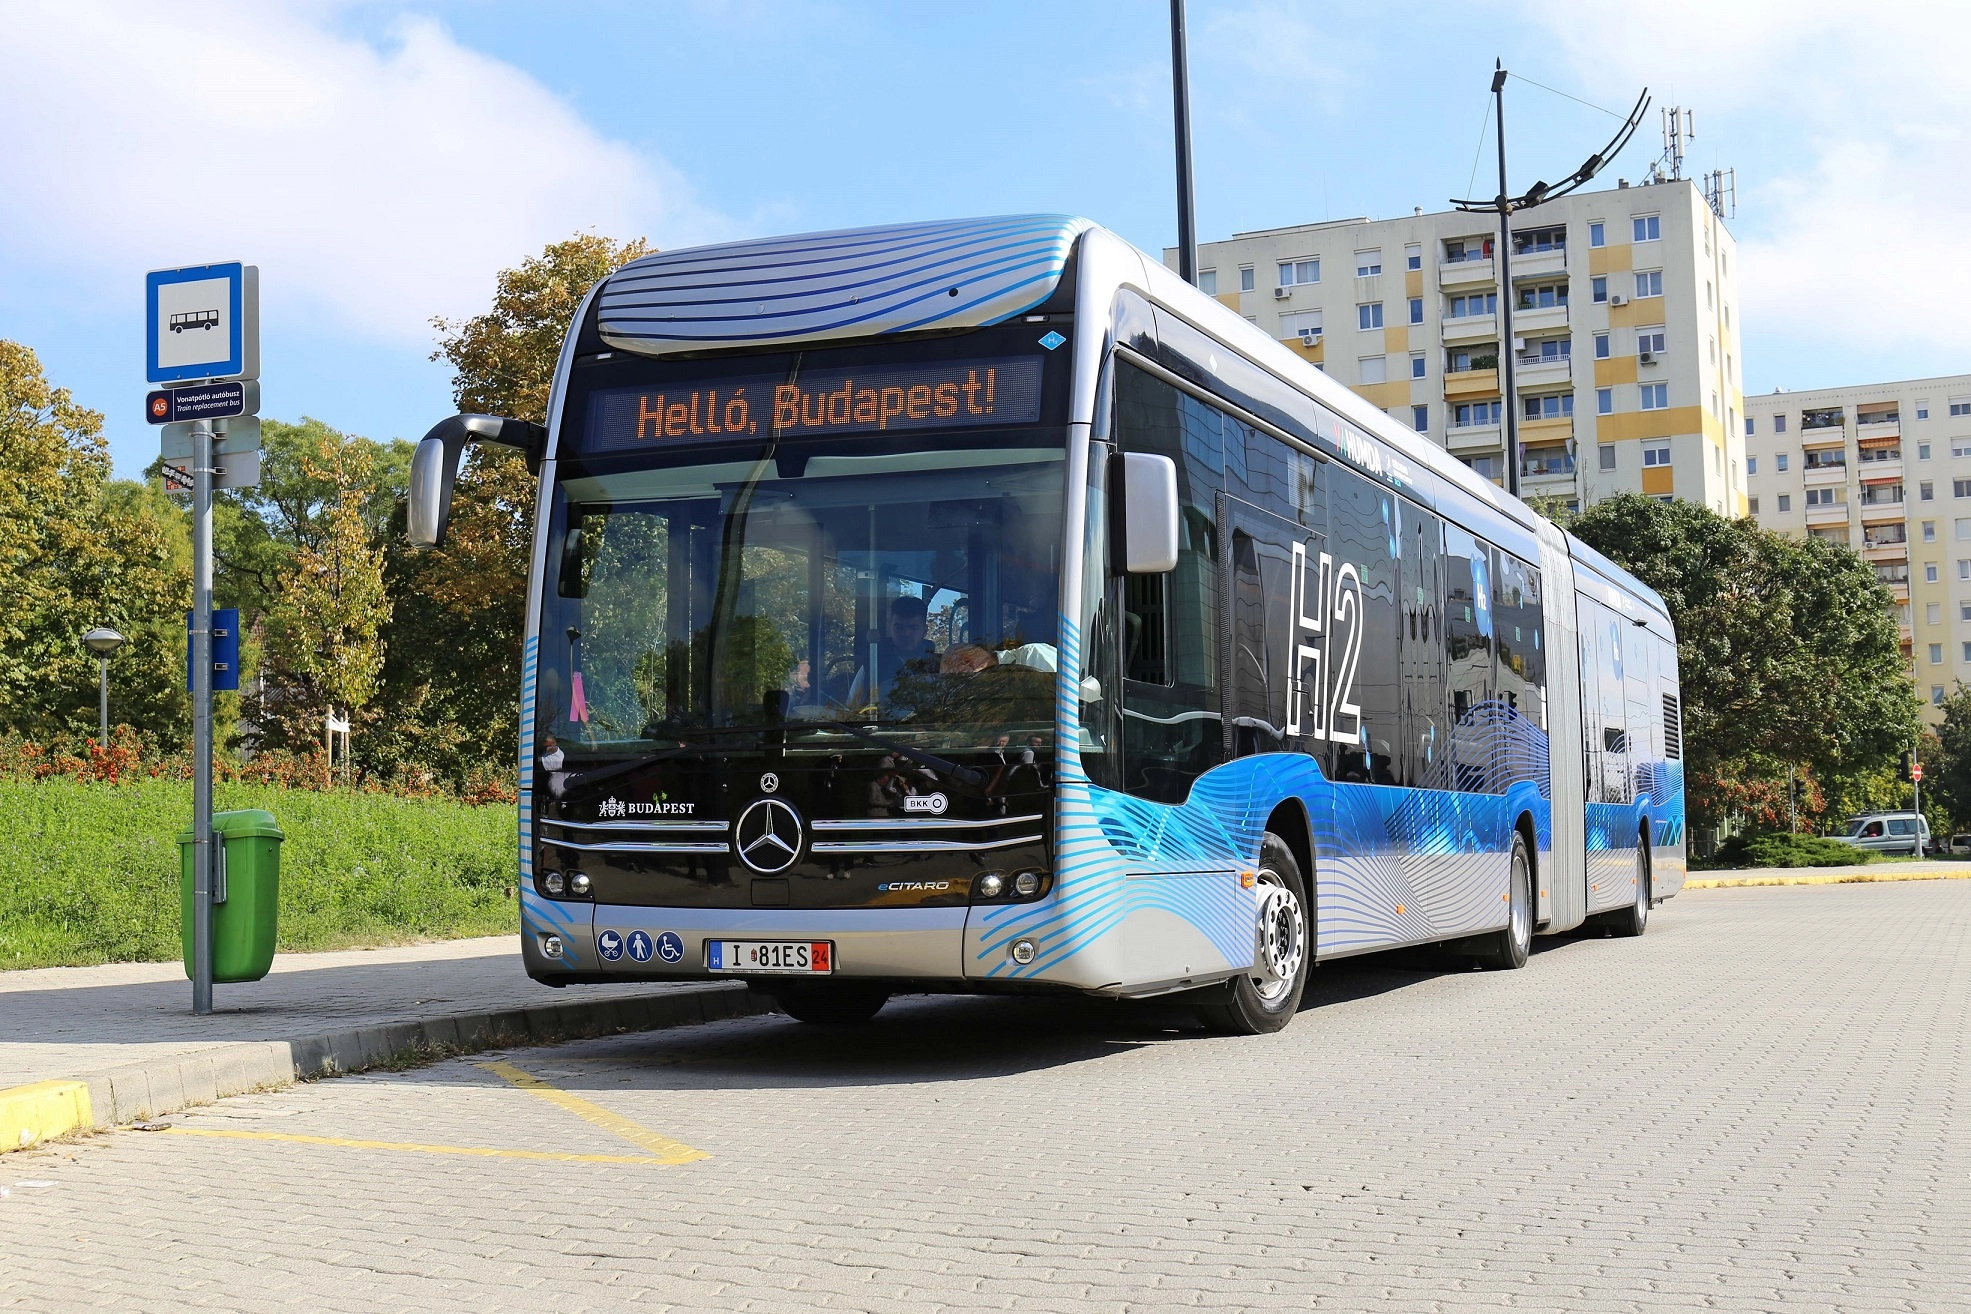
(1642, 887)
(1280, 944)
(1522, 899)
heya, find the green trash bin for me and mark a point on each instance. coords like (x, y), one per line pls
(248, 876)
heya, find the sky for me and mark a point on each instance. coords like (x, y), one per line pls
(381, 162)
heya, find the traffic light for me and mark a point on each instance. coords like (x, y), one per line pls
(1909, 762)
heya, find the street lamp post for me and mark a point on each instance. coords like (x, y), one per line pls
(103, 641)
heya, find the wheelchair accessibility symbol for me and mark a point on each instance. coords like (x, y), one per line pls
(670, 948)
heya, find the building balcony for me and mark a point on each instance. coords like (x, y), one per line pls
(1538, 319)
(1538, 264)
(1540, 433)
(1887, 511)
(1471, 328)
(1835, 514)
(1547, 468)
(1817, 475)
(1823, 434)
(1898, 589)
(1885, 551)
(1465, 273)
(1886, 470)
(1541, 371)
(1867, 427)
(1473, 438)
(1464, 385)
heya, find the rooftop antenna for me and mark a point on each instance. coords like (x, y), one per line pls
(1679, 130)
(1721, 192)
(1506, 205)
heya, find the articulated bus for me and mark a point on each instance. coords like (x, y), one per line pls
(977, 606)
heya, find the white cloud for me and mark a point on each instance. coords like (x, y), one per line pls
(374, 185)
(1847, 220)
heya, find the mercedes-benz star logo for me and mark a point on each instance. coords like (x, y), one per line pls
(767, 836)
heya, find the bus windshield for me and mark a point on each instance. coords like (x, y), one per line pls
(900, 584)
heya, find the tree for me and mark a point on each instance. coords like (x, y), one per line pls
(79, 550)
(1947, 773)
(326, 611)
(1788, 649)
(453, 646)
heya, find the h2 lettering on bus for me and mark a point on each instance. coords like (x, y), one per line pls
(1327, 639)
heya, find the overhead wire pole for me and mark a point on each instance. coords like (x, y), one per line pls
(1506, 205)
(1505, 284)
(1180, 94)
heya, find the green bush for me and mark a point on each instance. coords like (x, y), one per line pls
(92, 869)
(1776, 848)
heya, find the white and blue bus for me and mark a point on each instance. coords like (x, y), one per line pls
(977, 606)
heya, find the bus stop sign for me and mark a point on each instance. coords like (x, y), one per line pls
(202, 322)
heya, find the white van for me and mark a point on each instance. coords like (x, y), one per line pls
(1888, 832)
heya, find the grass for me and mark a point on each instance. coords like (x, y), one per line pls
(91, 870)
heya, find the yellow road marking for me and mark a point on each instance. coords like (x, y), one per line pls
(668, 1150)
(1846, 878)
(474, 1151)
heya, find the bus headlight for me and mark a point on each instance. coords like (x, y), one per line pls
(991, 885)
(578, 883)
(551, 946)
(1022, 952)
(1026, 884)
(552, 882)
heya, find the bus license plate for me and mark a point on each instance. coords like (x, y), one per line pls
(796, 957)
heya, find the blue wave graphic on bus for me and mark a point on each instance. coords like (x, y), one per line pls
(1393, 864)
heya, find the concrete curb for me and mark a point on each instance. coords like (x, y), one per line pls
(135, 1091)
(1844, 878)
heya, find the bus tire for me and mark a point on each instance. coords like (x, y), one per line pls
(829, 1003)
(1634, 919)
(1259, 1002)
(1510, 947)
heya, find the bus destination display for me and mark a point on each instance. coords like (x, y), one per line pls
(939, 395)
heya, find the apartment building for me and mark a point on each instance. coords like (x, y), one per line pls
(1625, 334)
(1886, 469)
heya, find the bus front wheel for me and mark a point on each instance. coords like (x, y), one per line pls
(1265, 999)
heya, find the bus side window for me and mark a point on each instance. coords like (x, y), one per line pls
(1362, 523)
(1468, 632)
(1615, 778)
(1426, 738)
(1171, 715)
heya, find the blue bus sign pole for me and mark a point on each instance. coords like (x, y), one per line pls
(202, 326)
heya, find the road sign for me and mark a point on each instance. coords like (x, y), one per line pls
(1916, 771)
(229, 470)
(225, 648)
(203, 401)
(240, 435)
(202, 322)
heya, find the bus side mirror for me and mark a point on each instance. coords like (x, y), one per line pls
(435, 467)
(1149, 513)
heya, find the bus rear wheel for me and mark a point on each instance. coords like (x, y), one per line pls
(1511, 946)
(1634, 919)
(829, 1003)
(1266, 998)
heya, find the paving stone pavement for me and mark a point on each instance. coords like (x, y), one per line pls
(1758, 1106)
(64, 1021)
